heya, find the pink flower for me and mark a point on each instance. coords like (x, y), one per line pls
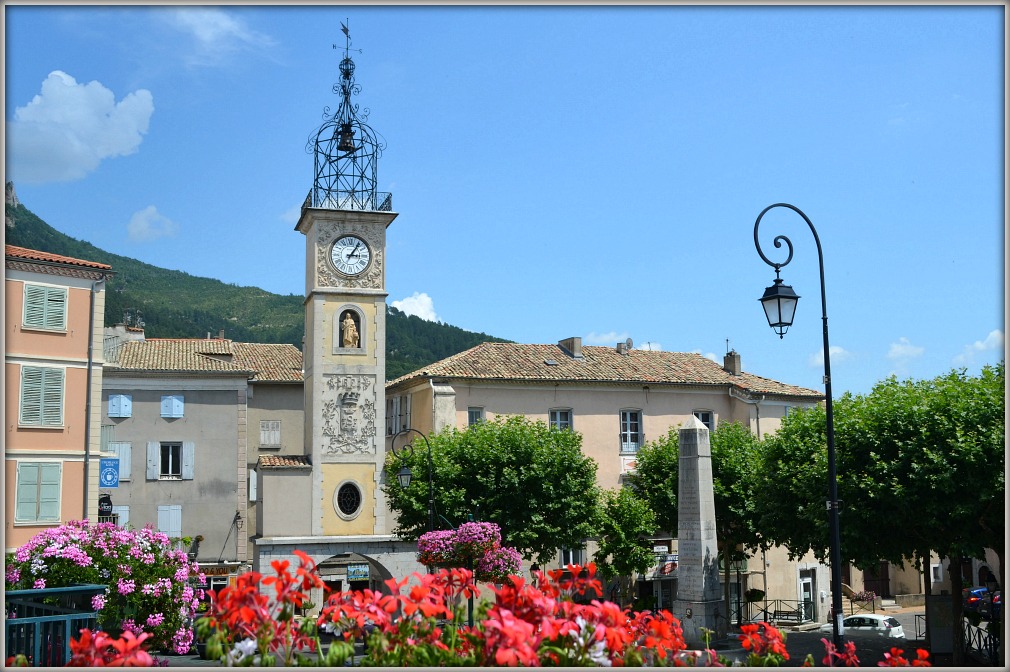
(154, 620)
(98, 602)
(40, 584)
(126, 586)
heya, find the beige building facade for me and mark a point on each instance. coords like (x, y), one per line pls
(53, 317)
(618, 399)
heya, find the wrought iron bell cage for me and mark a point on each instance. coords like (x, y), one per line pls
(346, 152)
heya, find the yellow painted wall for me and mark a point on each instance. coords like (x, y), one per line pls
(334, 475)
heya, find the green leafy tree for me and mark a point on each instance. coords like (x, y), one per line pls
(530, 479)
(656, 478)
(624, 546)
(920, 469)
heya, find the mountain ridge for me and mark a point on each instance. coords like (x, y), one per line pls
(194, 306)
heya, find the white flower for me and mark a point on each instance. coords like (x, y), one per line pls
(242, 650)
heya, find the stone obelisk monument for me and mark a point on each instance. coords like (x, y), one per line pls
(699, 594)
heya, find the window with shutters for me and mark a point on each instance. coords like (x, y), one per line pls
(170, 460)
(631, 431)
(45, 308)
(172, 406)
(122, 514)
(124, 452)
(270, 433)
(120, 405)
(474, 415)
(41, 396)
(397, 414)
(38, 492)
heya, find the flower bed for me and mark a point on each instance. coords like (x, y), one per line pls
(148, 580)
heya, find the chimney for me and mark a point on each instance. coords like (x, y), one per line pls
(220, 334)
(573, 346)
(622, 348)
(731, 363)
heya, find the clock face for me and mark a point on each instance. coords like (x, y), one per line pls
(350, 255)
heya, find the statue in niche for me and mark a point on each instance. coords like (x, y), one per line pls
(350, 331)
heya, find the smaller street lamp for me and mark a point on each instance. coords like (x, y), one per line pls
(405, 474)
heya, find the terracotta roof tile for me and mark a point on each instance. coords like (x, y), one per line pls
(599, 365)
(263, 362)
(35, 255)
(284, 461)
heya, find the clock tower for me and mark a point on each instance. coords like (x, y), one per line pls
(344, 221)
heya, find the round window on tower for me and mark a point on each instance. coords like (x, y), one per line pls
(347, 500)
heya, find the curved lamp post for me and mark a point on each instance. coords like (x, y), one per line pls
(779, 302)
(404, 475)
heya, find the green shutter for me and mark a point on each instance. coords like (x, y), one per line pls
(41, 396)
(49, 493)
(52, 397)
(27, 492)
(45, 307)
(31, 396)
(56, 309)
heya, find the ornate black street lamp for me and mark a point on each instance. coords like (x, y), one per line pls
(779, 302)
(404, 475)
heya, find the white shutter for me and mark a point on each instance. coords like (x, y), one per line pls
(120, 406)
(153, 460)
(172, 406)
(176, 513)
(122, 514)
(252, 485)
(188, 460)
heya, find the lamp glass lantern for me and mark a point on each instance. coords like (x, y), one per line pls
(779, 302)
(403, 476)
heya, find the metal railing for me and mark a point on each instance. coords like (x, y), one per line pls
(981, 644)
(785, 611)
(40, 623)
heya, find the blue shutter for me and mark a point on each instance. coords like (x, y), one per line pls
(153, 460)
(124, 451)
(120, 406)
(172, 406)
(188, 460)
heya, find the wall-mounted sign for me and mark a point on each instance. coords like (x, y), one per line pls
(108, 474)
(357, 572)
(105, 505)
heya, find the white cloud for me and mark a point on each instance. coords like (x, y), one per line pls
(992, 342)
(903, 349)
(292, 215)
(66, 131)
(838, 354)
(215, 33)
(649, 345)
(609, 338)
(419, 304)
(708, 355)
(148, 224)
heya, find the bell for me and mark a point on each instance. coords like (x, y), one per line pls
(346, 142)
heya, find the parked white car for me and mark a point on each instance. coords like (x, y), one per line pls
(869, 625)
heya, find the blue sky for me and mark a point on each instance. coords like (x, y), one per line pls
(558, 171)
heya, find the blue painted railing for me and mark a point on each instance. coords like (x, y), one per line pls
(40, 623)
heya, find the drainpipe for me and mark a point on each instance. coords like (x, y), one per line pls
(87, 405)
(756, 403)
